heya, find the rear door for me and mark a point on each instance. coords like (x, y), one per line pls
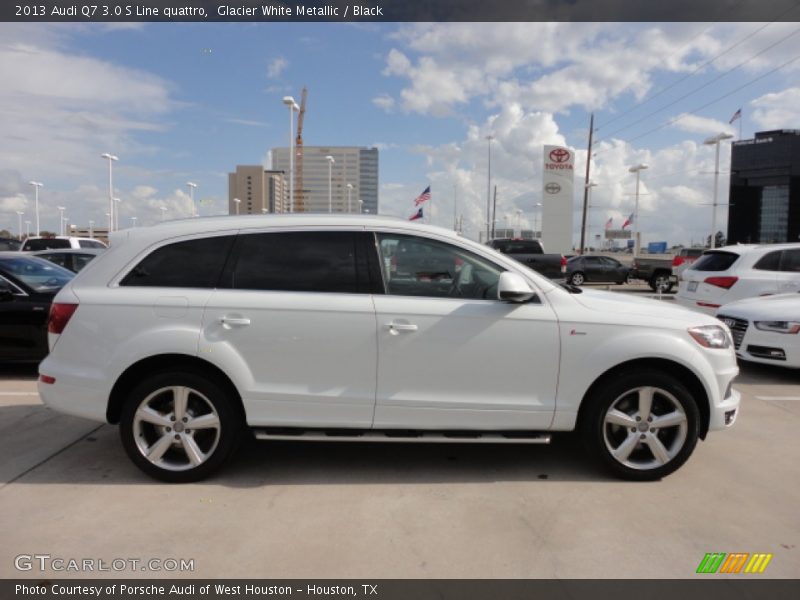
(22, 323)
(789, 274)
(295, 309)
(452, 356)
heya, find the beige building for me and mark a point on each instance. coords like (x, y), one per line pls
(355, 165)
(259, 190)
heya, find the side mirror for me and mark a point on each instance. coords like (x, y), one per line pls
(513, 288)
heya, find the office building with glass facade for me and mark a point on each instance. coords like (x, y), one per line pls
(765, 188)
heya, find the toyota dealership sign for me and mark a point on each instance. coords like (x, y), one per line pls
(557, 190)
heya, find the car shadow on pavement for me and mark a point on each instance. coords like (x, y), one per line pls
(757, 373)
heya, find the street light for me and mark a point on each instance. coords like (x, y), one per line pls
(330, 179)
(236, 203)
(192, 185)
(489, 139)
(349, 192)
(637, 169)
(27, 229)
(36, 185)
(108, 215)
(588, 187)
(91, 229)
(111, 159)
(20, 213)
(715, 141)
(289, 101)
(538, 208)
(360, 206)
(61, 210)
(115, 213)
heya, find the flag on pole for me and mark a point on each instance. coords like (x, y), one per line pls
(628, 221)
(609, 222)
(736, 115)
(426, 195)
(416, 215)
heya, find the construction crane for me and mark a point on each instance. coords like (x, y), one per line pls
(299, 192)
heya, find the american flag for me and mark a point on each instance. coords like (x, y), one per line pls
(609, 223)
(426, 195)
(416, 215)
(736, 115)
(628, 221)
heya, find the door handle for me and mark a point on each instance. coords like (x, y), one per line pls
(234, 321)
(396, 328)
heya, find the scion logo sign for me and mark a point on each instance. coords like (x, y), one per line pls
(560, 159)
(736, 562)
(552, 188)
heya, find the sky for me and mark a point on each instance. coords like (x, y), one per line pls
(182, 102)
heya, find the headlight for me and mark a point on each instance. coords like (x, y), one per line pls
(711, 336)
(778, 326)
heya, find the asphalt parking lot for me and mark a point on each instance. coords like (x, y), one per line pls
(335, 510)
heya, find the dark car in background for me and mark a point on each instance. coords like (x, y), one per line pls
(71, 259)
(27, 287)
(531, 254)
(9, 244)
(596, 269)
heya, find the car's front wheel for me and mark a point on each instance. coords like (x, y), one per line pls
(642, 425)
(180, 427)
(577, 278)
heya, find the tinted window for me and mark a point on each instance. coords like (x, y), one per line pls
(415, 266)
(303, 261)
(60, 259)
(90, 244)
(189, 264)
(715, 261)
(81, 260)
(46, 244)
(517, 247)
(791, 261)
(9, 244)
(769, 262)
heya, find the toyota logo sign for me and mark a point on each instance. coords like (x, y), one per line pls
(559, 155)
(552, 188)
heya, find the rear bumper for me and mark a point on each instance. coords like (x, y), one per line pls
(78, 396)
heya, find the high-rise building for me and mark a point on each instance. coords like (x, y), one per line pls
(257, 189)
(357, 166)
(765, 188)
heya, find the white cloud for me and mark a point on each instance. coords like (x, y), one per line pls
(384, 101)
(276, 66)
(702, 125)
(779, 110)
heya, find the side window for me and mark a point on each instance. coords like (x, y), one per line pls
(90, 244)
(190, 264)
(59, 259)
(769, 262)
(791, 261)
(301, 261)
(415, 266)
(81, 260)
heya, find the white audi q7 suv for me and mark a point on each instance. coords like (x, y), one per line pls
(315, 327)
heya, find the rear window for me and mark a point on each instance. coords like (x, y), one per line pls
(90, 244)
(46, 244)
(189, 264)
(715, 261)
(517, 247)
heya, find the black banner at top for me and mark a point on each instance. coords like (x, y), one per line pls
(83, 11)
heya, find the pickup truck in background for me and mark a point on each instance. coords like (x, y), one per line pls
(657, 272)
(685, 259)
(531, 254)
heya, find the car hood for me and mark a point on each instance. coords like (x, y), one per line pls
(659, 311)
(780, 307)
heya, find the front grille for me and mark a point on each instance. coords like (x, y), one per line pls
(738, 328)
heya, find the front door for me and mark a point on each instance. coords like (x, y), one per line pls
(452, 356)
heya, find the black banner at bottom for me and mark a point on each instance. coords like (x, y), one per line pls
(733, 588)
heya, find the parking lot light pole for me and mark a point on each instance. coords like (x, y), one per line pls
(519, 221)
(116, 213)
(637, 169)
(349, 194)
(536, 220)
(111, 159)
(20, 214)
(91, 229)
(236, 203)
(588, 224)
(489, 139)
(715, 141)
(331, 161)
(108, 216)
(61, 210)
(289, 101)
(192, 185)
(27, 229)
(133, 222)
(36, 185)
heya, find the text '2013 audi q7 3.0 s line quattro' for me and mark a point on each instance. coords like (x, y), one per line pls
(311, 327)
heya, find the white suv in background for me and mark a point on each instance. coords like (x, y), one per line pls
(60, 242)
(295, 327)
(735, 272)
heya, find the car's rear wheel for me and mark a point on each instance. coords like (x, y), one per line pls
(661, 283)
(577, 278)
(180, 427)
(642, 426)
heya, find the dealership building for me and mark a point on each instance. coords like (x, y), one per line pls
(765, 188)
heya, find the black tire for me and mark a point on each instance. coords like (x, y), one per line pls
(661, 280)
(642, 462)
(206, 398)
(577, 278)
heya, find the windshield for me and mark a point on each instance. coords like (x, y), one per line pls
(39, 275)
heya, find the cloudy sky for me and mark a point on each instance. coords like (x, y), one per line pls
(181, 102)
